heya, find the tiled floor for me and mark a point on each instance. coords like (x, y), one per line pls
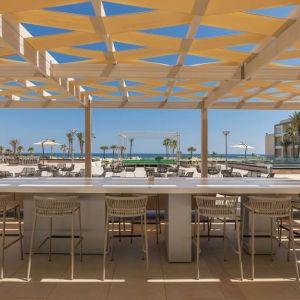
(126, 278)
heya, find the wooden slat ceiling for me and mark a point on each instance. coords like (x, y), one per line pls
(218, 54)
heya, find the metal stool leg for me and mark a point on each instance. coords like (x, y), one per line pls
(131, 230)
(146, 244)
(80, 232)
(143, 237)
(3, 242)
(271, 238)
(20, 231)
(112, 239)
(105, 246)
(31, 247)
(293, 246)
(72, 246)
(224, 240)
(156, 220)
(198, 243)
(239, 248)
(252, 245)
(50, 239)
(243, 226)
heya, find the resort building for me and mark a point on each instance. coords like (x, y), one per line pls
(269, 145)
(273, 141)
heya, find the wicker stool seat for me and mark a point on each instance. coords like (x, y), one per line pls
(125, 207)
(56, 206)
(272, 207)
(221, 207)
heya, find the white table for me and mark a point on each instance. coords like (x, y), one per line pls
(179, 190)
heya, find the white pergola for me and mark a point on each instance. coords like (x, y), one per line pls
(231, 78)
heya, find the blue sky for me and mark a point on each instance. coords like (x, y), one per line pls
(33, 125)
(249, 126)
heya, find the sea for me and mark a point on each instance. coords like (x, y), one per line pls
(153, 155)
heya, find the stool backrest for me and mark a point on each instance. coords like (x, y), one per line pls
(215, 206)
(269, 205)
(126, 206)
(54, 204)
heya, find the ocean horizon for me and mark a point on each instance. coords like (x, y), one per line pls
(149, 155)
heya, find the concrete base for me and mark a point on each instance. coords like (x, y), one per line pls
(179, 228)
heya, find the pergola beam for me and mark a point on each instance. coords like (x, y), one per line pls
(12, 35)
(136, 71)
(285, 37)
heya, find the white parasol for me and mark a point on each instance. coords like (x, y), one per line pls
(244, 146)
(46, 142)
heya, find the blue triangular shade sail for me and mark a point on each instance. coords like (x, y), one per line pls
(132, 83)
(134, 93)
(165, 59)
(38, 30)
(65, 58)
(93, 46)
(124, 46)
(85, 8)
(205, 31)
(197, 60)
(178, 31)
(15, 58)
(13, 83)
(293, 62)
(177, 89)
(200, 94)
(270, 90)
(243, 48)
(110, 83)
(114, 9)
(276, 12)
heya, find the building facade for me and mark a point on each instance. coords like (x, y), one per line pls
(279, 132)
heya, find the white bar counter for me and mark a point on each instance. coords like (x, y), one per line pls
(179, 190)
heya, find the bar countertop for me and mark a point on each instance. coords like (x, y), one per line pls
(141, 185)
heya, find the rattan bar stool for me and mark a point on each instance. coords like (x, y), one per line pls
(220, 207)
(125, 207)
(56, 206)
(274, 208)
(7, 203)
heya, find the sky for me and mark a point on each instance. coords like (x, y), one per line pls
(33, 125)
(247, 126)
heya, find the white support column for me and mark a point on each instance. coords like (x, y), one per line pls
(204, 142)
(179, 230)
(88, 144)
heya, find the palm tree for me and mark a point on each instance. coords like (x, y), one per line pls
(122, 149)
(1, 150)
(20, 148)
(70, 137)
(80, 137)
(14, 144)
(166, 143)
(103, 148)
(191, 150)
(130, 149)
(113, 148)
(291, 132)
(295, 120)
(285, 144)
(64, 148)
(30, 150)
(173, 146)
